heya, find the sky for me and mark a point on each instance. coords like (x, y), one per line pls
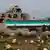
(36, 8)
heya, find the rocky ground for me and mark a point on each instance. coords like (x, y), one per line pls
(24, 41)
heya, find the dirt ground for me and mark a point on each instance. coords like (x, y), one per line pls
(23, 45)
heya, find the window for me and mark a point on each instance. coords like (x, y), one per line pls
(9, 16)
(15, 16)
(18, 10)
